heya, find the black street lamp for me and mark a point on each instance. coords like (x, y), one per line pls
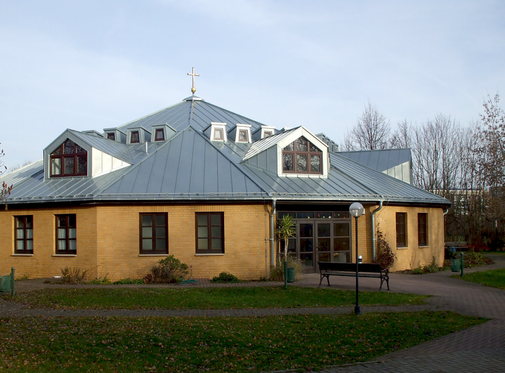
(357, 210)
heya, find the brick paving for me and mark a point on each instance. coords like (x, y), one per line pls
(477, 349)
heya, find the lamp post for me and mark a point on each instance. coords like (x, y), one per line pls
(356, 210)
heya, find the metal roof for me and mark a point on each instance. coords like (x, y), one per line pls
(380, 159)
(188, 166)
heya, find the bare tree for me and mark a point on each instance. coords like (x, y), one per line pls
(371, 132)
(436, 147)
(5, 189)
(402, 136)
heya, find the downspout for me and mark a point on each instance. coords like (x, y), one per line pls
(272, 233)
(374, 230)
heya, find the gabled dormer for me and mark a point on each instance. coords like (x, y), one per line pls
(292, 153)
(162, 132)
(115, 134)
(241, 133)
(66, 158)
(82, 154)
(137, 135)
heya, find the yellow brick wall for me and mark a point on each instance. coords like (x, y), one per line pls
(43, 262)
(411, 256)
(108, 241)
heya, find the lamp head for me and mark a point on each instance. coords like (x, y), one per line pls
(356, 209)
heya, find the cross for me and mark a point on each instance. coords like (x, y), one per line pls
(192, 74)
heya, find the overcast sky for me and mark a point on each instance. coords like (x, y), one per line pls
(99, 64)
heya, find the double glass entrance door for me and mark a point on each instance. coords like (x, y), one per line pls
(323, 241)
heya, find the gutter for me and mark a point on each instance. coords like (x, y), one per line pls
(374, 230)
(272, 233)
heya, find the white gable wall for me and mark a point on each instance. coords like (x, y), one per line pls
(103, 163)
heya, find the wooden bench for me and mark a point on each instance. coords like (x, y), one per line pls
(327, 269)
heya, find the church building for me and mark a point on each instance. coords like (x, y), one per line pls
(207, 185)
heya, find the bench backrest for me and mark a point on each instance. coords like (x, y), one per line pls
(349, 267)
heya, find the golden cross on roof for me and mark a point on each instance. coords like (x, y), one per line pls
(192, 74)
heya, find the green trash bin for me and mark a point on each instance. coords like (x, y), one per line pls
(291, 274)
(5, 284)
(455, 265)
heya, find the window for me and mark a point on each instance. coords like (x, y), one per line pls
(209, 232)
(69, 159)
(134, 137)
(153, 233)
(243, 136)
(267, 134)
(111, 136)
(218, 134)
(66, 234)
(24, 235)
(301, 156)
(159, 135)
(422, 229)
(401, 229)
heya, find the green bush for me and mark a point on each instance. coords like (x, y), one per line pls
(225, 277)
(129, 281)
(168, 270)
(100, 281)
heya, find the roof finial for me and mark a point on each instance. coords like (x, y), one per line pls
(192, 74)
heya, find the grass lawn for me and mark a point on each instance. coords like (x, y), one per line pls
(210, 298)
(218, 344)
(494, 278)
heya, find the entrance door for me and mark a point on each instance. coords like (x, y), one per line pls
(322, 241)
(306, 243)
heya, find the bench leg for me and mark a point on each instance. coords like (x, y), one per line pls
(327, 278)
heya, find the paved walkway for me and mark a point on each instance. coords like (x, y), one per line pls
(477, 349)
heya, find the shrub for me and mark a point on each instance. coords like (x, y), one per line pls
(168, 270)
(73, 275)
(277, 272)
(129, 281)
(385, 257)
(225, 277)
(100, 281)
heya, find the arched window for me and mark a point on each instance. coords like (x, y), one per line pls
(69, 159)
(302, 157)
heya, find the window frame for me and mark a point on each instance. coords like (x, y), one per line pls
(25, 229)
(111, 136)
(401, 229)
(209, 236)
(137, 139)
(154, 237)
(67, 239)
(59, 154)
(308, 154)
(159, 131)
(422, 229)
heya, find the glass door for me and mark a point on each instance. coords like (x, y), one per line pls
(341, 242)
(323, 242)
(306, 243)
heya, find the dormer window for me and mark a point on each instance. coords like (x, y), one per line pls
(267, 131)
(159, 135)
(134, 137)
(301, 156)
(69, 159)
(111, 136)
(218, 132)
(242, 133)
